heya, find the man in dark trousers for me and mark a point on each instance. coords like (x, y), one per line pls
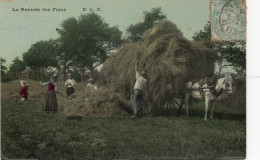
(140, 84)
(70, 85)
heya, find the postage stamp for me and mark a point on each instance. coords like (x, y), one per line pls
(228, 20)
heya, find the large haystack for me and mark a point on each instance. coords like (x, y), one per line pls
(169, 59)
(96, 103)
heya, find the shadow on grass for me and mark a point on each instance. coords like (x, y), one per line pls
(220, 115)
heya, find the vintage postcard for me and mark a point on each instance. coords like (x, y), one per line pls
(123, 79)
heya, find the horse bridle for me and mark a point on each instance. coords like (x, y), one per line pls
(222, 90)
(227, 86)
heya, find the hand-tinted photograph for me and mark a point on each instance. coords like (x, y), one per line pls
(123, 79)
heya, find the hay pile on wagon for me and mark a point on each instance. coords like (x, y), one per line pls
(169, 59)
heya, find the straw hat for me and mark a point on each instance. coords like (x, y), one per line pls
(90, 80)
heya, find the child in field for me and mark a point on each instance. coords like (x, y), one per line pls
(70, 85)
(50, 102)
(24, 86)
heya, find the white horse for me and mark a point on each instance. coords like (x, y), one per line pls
(207, 93)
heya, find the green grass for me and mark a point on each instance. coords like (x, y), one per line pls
(28, 132)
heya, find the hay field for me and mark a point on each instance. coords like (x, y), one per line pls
(100, 103)
(28, 132)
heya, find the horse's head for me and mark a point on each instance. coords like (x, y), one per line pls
(228, 86)
(224, 85)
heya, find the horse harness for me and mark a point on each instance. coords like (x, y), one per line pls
(210, 82)
(215, 93)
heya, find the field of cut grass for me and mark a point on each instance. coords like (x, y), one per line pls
(28, 132)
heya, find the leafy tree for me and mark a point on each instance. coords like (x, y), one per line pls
(63, 57)
(67, 45)
(88, 40)
(204, 36)
(233, 52)
(137, 31)
(40, 56)
(17, 66)
(3, 68)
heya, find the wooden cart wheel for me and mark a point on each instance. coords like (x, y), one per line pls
(175, 102)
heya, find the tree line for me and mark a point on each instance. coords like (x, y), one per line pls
(86, 42)
(233, 52)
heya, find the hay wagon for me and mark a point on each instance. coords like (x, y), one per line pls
(169, 59)
(177, 100)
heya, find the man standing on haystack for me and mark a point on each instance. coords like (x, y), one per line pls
(50, 101)
(91, 84)
(70, 84)
(140, 84)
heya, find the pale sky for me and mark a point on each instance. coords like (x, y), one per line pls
(20, 29)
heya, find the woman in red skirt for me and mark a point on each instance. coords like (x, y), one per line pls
(50, 102)
(24, 86)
